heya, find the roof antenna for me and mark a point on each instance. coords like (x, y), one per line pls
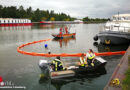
(118, 16)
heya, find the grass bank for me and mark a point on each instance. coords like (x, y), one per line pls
(126, 81)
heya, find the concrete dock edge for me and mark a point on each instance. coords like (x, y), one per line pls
(119, 72)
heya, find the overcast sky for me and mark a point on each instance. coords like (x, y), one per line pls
(76, 8)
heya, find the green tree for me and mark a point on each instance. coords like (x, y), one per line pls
(86, 19)
(29, 12)
(43, 18)
(5, 13)
(35, 15)
(1, 10)
(21, 12)
(11, 12)
(52, 19)
(66, 19)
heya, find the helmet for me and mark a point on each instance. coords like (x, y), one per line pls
(82, 55)
(90, 50)
(58, 57)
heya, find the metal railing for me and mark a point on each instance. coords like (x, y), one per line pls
(116, 28)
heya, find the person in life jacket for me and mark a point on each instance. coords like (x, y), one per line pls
(66, 30)
(90, 57)
(57, 64)
(83, 62)
(60, 33)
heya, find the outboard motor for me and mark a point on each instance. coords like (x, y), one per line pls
(44, 66)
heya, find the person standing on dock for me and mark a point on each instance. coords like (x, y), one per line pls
(90, 57)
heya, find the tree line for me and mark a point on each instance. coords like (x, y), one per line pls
(39, 15)
(35, 15)
(87, 19)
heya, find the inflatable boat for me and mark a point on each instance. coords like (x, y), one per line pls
(71, 70)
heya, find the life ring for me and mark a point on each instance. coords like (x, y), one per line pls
(108, 49)
(107, 41)
(115, 82)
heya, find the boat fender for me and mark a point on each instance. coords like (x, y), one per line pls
(95, 38)
(95, 44)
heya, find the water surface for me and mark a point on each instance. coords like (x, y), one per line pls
(23, 69)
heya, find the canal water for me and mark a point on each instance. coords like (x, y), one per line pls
(23, 70)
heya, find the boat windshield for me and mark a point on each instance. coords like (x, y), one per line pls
(117, 26)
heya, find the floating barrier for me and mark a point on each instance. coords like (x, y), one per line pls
(62, 54)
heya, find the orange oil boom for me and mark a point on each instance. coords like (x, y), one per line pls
(62, 54)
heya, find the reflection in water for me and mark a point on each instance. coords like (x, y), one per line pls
(110, 48)
(47, 26)
(59, 83)
(64, 41)
(16, 28)
(51, 26)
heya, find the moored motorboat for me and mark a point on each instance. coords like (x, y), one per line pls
(46, 22)
(62, 22)
(14, 22)
(117, 31)
(114, 38)
(71, 70)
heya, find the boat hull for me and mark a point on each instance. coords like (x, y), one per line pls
(71, 71)
(114, 38)
(64, 35)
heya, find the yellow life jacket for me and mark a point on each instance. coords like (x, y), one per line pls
(82, 62)
(90, 56)
(55, 62)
